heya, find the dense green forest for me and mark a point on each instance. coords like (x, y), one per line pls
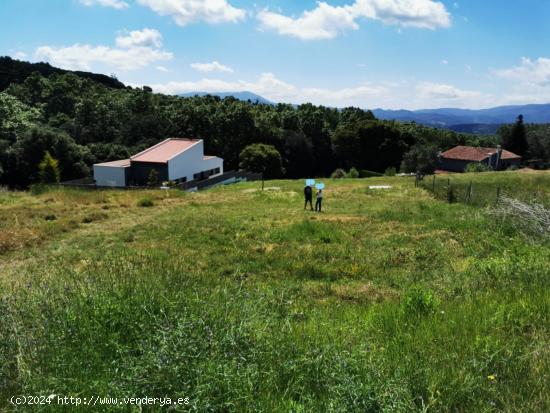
(82, 118)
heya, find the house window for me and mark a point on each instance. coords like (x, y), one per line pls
(206, 174)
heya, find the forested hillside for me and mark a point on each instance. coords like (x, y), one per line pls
(16, 71)
(82, 119)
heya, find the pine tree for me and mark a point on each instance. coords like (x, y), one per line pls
(48, 169)
(514, 139)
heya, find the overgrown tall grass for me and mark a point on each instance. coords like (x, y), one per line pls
(483, 189)
(390, 301)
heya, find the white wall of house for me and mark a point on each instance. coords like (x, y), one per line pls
(190, 162)
(212, 163)
(109, 176)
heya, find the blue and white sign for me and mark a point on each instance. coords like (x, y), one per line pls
(320, 185)
(310, 182)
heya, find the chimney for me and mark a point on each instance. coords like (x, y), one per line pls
(499, 156)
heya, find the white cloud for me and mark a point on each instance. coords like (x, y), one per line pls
(116, 4)
(342, 97)
(444, 62)
(163, 69)
(326, 21)
(323, 22)
(215, 66)
(529, 72)
(136, 50)
(267, 85)
(20, 55)
(391, 95)
(443, 92)
(188, 11)
(529, 82)
(277, 90)
(140, 38)
(424, 14)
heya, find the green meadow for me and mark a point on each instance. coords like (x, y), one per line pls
(237, 298)
(485, 189)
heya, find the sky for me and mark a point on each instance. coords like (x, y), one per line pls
(391, 54)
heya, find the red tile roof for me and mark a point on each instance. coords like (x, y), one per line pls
(164, 151)
(116, 164)
(475, 154)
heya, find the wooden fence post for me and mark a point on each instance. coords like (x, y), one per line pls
(450, 193)
(469, 196)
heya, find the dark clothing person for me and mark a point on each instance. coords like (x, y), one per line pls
(319, 201)
(308, 195)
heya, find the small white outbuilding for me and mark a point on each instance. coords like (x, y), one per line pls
(113, 174)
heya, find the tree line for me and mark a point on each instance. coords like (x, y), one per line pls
(80, 121)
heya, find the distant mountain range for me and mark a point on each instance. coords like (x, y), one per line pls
(469, 120)
(481, 121)
(245, 96)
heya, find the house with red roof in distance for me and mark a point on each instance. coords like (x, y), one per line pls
(177, 160)
(459, 157)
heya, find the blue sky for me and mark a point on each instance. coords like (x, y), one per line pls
(370, 53)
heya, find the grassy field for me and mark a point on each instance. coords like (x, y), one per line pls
(484, 189)
(389, 301)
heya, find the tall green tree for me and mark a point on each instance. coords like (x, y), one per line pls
(262, 158)
(48, 169)
(26, 153)
(514, 139)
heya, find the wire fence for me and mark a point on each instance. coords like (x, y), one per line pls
(479, 193)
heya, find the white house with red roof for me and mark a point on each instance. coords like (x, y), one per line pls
(177, 160)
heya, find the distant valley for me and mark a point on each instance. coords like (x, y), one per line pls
(480, 121)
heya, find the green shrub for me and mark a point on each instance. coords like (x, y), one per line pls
(418, 301)
(390, 171)
(478, 167)
(146, 202)
(38, 189)
(153, 179)
(338, 174)
(353, 173)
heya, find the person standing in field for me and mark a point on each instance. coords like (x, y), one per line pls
(308, 195)
(319, 201)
